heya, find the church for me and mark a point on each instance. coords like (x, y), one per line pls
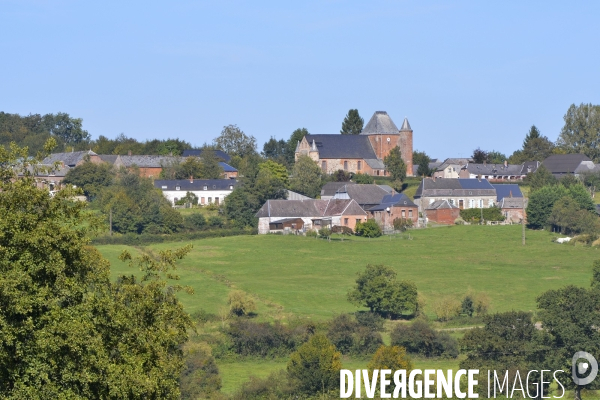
(362, 153)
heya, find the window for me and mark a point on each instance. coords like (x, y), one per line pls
(403, 213)
(216, 200)
(359, 165)
(230, 187)
(318, 222)
(471, 203)
(345, 165)
(209, 200)
(480, 203)
(163, 187)
(202, 200)
(205, 187)
(461, 204)
(324, 166)
(346, 221)
(177, 187)
(410, 213)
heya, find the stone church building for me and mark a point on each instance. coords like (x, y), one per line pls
(362, 153)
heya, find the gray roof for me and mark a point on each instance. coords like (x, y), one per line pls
(454, 187)
(330, 188)
(453, 161)
(198, 153)
(309, 208)
(512, 202)
(194, 184)
(375, 163)
(564, 163)
(146, 161)
(381, 124)
(108, 158)
(494, 169)
(296, 196)
(586, 167)
(530, 166)
(49, 170)
(70, 159)
(387, 188)
(440, 205)
(405, 125)
(368, 194)
(343, 146)
(398, 199)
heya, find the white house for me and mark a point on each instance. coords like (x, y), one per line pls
(208, 190)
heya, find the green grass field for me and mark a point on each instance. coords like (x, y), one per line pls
(302, 278)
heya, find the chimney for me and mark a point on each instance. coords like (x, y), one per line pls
(192, 179)
(484, 162)
(433, 177)
(505, 163)
(129, 152)
(510, 194)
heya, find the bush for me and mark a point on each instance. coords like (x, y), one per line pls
(344, 230)
(364, 179)
(366, 341)
(368, 229)
(390, 357)
(341, 332)
(489, 214)
(420, 338)
(275, 386)
(240, 303)
(260, 339)
(402, 224)
(446, 308)
(195, 221)
(200, 375)
(215, 222)
(370, 320)
(312, 233)
(325, 232)
(211, 207)
(467, 307)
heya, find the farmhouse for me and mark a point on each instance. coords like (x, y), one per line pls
(366, 196)
(392, 207)
(315, 214)
(463, 193)
(362, 153)
(442, 212)
(72, 159)
(498, 172)
(208, 191)
(562, 164)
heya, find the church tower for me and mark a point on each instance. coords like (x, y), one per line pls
(406, 146)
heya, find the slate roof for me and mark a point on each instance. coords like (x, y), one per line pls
(108, 158)
(440, 205)
(455, 187)
(494, 169)
(398, 199)
(453, 161)
(309, 208)
(530, 167)
(586, 167)
(70, 159)
(227, 167)
(405, 125)
(381, 124)
(507, 191)
(197, 184)
(60, 172)
(198, 153)
(369, 194)
(564, 163)
(514, 202)
(342, 146)
(330, 188)
(387, 188)
(375, 163)
(146, 161)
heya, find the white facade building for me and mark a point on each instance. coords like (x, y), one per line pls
(208, 191)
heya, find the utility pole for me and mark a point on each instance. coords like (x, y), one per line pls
(523, 230)
(110, 221)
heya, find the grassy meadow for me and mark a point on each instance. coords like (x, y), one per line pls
(292, 277)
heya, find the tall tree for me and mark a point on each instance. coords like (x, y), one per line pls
(540, 178)
(353, 123)
(581, 132)
(541, 203)
(274, 149)
(395, 164)
(496, 157)
(480, 156)
(234, 141)
(90, 177)
(210, 164)
(306, 177)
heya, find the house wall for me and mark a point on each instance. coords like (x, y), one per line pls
(513, 215)
(150, 172)
(488, 201)
(348, 220)
(386, 220)
(230, 175)
(445, 216)
(172, 195)
(404, 140)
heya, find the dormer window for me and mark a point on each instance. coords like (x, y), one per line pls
(205, 187)
(214, 186)
(177, 187)
(163, 187)
(230, 187)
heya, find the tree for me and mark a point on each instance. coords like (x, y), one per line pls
(390, 357)
(234, 141)
(571, 316)
(315, 366)
(581, 132)
(66, 128)
(541, 203)
(295, 137)
(240, 303)
(276, 170)
(362, 178)
(369, 229)
(395, 164)
(340, 176)
(74, 331)
(583, 198)
(540, 178)
(421, 159)
(480, 156)
(420, 338)
(377, 289)
(275, 149)
(352, 124)
(569, 217)
(306, 177)
(90, 177)
(496, 157)
(210, 168)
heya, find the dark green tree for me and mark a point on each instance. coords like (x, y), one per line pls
(395, 164)
(234, 141)
(480, 156)
(275, 149)
(540, 178)
(306, 177)
(581, 132)
(90, 177)
(353, 123)
(295, 137)
(66, 128)
(496, 157)
(210, 164)
(421, 159)
(377, 288)
(362, 178)
(541, 203)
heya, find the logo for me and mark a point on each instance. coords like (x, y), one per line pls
(582, 367)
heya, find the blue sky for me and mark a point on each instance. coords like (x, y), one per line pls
(466, 74)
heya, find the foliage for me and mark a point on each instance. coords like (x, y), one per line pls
(377, 289)
(361, 178)
(340, 176)
(325, 232)
(395, 164)
(596, 274)
(200, 375)
(390, 357)
(134, 239)
(480, 156)
(292, 143)
(189, 198)
(489, 214)
(536, 147)
(206, 167)
(275, 150)
(240, 303)
(315, 366)
(275, 386)
(138, 207)
(570, 218)
(402, 224)
(540, 178)
(496, 157)
(90, 177)
(353, 123)
(467, 306)
(352, 337)
(195, 221)
(276, 171)
(306, 177)
(344, 230)
(541, 203)
(74, 332)
(368, 228)
(420, 338)
(234, 141)
(446, 308)
(581, 131)
(263, 339)
(215, 221)
(370, 320)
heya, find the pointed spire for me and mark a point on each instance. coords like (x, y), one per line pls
(405, 125)
(314, 146)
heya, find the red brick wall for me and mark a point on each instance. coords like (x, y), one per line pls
(444, 216)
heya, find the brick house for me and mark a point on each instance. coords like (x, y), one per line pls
(362, 153)
(442, 212)
(315, 214)
(394, 206)
(513, 208)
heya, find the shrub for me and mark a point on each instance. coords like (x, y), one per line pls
(240, 303)
(312, 233)
(420, 338)
(446, 308)
(325, 232)
(368, 229)
(200, 375)
(275, 386)
(402, 224)
(489, 214)
(467, 307)
(211, 207)
(341, 332)
(195, 221)
(370, 320)
(390, 357)
(363, 178)
(215, 222)
(344, 230)
(260, 339)
(366, 341)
